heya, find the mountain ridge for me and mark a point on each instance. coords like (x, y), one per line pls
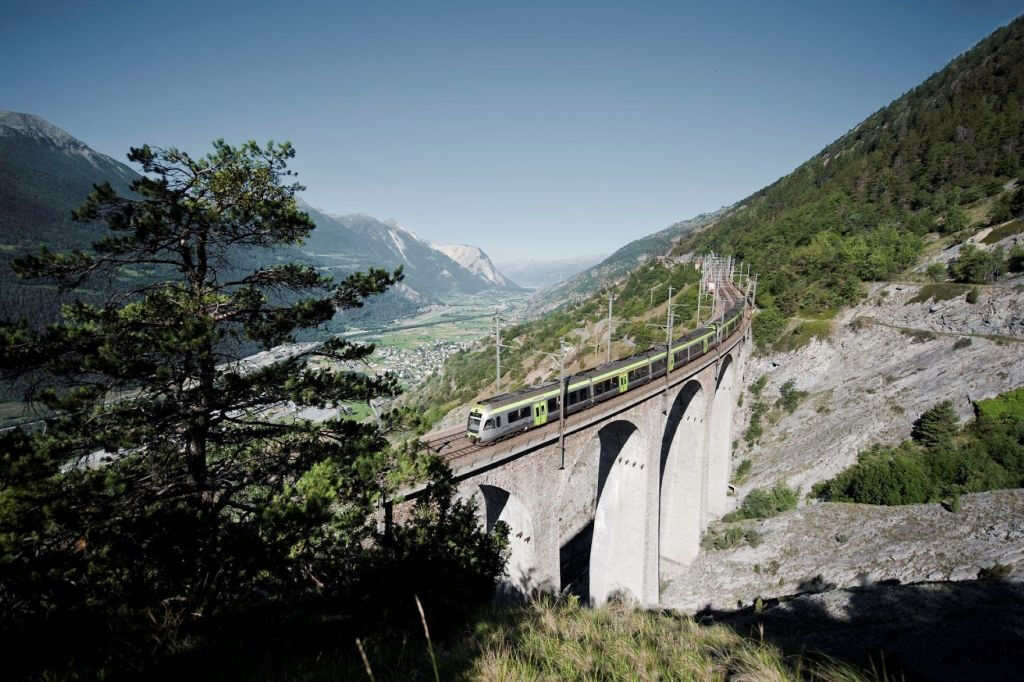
(46, 173)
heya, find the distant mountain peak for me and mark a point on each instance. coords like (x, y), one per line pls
(38, 128)
(476, 261)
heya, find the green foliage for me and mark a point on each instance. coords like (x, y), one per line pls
(762, 504)
(755, 428)
(742, 471)
(962, 342)
(936, 272)
(162, 483)
(856, 211)
(977, 266)
(717, 539)
(939, 463)
(758, 385)
(1015, 259)
(937, 292)
(955, 219)
(1009, 405)
(1004, 231)
(789, 396)
(937, 426)
(972, 295)
(802, 334)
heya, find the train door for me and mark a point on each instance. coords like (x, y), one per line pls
(623, 383)
(540, 413)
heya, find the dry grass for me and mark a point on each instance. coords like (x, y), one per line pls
(544, 641)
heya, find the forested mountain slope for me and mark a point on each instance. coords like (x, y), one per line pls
(939, 158)
(45, 174)
(628, 257)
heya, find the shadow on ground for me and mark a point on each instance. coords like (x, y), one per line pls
(970, 630)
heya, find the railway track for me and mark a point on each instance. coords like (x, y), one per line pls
(455, 447)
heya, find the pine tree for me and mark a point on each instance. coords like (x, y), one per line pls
(163, 476)
(936, 427)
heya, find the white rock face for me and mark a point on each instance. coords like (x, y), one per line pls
(476, 261)
(886, 361)
(870, 380)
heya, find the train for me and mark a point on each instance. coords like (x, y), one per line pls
(505, 415)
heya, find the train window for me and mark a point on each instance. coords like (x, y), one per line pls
(638, 373)
(552, 404)
(474, 423)
(603, 386)
(489, 424)
(658, 365)
(578, 396)
(516, 415)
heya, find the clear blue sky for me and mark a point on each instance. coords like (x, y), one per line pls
(533, 129)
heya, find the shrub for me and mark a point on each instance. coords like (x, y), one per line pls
(758, 385)
(789, 396)
(727, 538)
(755, 428)
(972, 295)
(962, 342)
(919, 335)
(995, 572)
(936, 272)
(762, 504)
(742, 471)
(977, 266)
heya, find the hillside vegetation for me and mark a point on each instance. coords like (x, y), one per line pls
(940, 158)
(941, 459)
(637, 312)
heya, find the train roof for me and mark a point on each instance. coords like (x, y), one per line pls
(517, 395)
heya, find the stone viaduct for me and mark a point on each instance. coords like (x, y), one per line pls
(643, 475)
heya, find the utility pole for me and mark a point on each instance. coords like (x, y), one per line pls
(668, 338)
(609, 326)
(561, 404)
(497, 353)
(561, 400)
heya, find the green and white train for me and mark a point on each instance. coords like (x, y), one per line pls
(507, 414)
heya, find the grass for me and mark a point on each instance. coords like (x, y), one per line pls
(803, 333)
(543, 640)
(919, 335)
(939, 291)
(1004, 231)
(546, 641)
(1010, 404)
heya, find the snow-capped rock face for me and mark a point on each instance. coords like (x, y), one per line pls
(476, 261)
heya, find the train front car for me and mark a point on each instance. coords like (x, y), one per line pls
(477, 414)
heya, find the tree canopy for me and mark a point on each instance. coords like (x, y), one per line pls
(165, 474)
